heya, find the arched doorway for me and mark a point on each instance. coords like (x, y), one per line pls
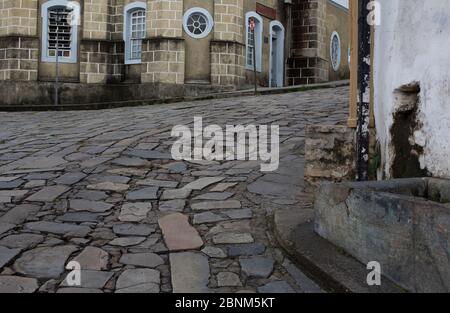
(276, 73)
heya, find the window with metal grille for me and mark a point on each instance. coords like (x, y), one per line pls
(137, 33)
(59, 32)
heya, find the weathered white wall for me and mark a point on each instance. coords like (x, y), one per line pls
(412, 44)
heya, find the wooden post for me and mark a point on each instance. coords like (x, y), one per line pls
(352, 120)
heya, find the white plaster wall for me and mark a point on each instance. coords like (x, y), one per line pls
(412, 44)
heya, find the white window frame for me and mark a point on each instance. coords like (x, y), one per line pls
(338, 65)
(127, 11)
(258, 40)
(208, 16)
(75, 6)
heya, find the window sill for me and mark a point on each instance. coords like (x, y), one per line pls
(132, 62)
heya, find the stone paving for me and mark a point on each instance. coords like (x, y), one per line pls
(100, 188)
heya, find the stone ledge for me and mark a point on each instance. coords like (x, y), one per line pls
(329, 266)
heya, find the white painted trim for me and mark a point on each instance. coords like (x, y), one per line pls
(127, 10)
(258, 38)
(74, 44)
(280, 54)
(335, 68)
(208, 17)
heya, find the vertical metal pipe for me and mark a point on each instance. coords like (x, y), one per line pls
(58, 17)
(255, 79)
(364, 57)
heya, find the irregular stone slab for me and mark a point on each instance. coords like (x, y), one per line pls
(206, 173)
(133, 230)
(228, 279)
(150, 193)
(19, 214)
(151, 260)
(35, 184)
(157, 183)
(92, 279)
(179, 234)
(93, 258)
(90, 206)
(4, 199)
(190, 272)
(232, 238)
(78, 290)
(16, 284)
(48, 262)
(48, 194)
(246, 249)
(204, 182)
(59, 228)
(134, 212)
(214, 252)
(9, 179)
(70, 178)
(217, 196)
(12, 185)
(22, 241)
(208, 217)
(176, 167)
(173, 194)
(79, 217)
(43, 163)
(101, 178)
(266, 188)
(257, 267)
(216, 205)
(127, 241)
(172, 206)
(276, 287)
(7, 255)
(149, 154)
(5, 227)
(91, 195)
(128, 171)
(13, 193)
(93, 162)
(139, 281)
(240, 214)
(109, 186)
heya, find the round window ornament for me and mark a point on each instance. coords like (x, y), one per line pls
(197, 23)
(335, 51)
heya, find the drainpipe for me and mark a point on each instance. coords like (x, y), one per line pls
(288, 38)
(363, 92)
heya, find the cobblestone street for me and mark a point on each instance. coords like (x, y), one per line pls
(101, 188)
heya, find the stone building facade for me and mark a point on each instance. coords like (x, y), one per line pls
(125, 50)
(320, 42)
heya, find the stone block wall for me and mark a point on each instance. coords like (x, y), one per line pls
(329, 154)
(164, 18)
(18, 17)
(96, 19)
(101, 61)
(163, 61)
(19, 58)
(227, 63)
(308, 64)
(229, 20)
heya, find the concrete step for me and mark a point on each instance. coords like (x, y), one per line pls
(326, 264)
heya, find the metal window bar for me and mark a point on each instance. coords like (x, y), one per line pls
(59, 32)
